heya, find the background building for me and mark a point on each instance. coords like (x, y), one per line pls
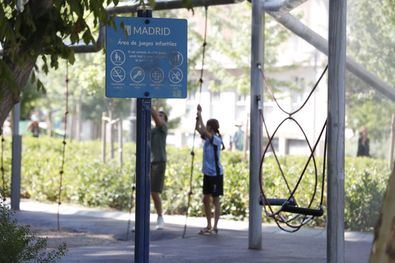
(299, 66)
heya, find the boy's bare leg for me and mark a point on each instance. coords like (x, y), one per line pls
(157, 203)
(207, 209)
(217, 212)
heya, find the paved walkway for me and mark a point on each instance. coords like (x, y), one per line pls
(95, 235)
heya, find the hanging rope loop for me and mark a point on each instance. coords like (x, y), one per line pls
(290, 113)
(289, 205)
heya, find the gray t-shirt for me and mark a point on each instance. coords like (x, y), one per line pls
(158, 143)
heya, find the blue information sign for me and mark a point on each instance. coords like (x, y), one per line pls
(146, 58)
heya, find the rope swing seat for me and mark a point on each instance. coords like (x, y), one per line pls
(287, 213)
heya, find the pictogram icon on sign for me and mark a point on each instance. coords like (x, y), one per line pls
(117, 74)
(176, 58)
(175, 75)
(137, 74)
(157, 75)
(117, 57)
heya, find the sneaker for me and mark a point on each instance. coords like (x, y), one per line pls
(160, 223)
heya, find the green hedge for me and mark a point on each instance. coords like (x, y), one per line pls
(89, 182)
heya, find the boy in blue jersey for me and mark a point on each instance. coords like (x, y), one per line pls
(212, 170)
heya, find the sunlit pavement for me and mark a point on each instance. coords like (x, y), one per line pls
(112, 243)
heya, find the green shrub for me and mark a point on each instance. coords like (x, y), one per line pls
(88, 181)
(365, 184)
(18, 244)
(6, 154)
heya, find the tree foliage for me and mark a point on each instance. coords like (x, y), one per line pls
(389, 9)
(228, 47)
(371, 42)
(42, 29)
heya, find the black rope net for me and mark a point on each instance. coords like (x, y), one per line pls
(288, 213)
(190, 193)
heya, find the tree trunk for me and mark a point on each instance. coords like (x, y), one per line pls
(9, 96)
(78, 119)
(49, 123)
(383, 249)
(19, 58)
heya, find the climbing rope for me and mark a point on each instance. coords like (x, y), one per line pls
(190, 193)
(278, 215)
(3, 189)
(61, 171)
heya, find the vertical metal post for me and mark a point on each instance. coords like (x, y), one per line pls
(246, 136)
(336, 126)
(111, 134)
(103, 136)
(143, 151)
(133, 121)
(120, 142)
(78, 118)
(255, 218)
(16, 158)
(392, 143)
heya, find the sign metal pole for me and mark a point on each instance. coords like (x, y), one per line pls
(143, 150)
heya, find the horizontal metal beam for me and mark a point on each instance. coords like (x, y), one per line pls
(131, 8)
(303, 31)
(291, 5)
(167, 5)
(271, 5)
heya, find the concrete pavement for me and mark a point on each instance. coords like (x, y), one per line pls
(98, 235)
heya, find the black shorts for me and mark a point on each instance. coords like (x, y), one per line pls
(213, 185)
(157, 176)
